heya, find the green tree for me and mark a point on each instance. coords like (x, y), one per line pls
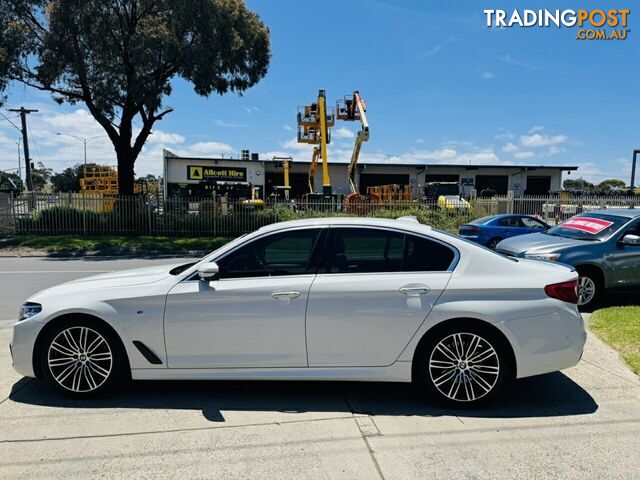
(40, 176)
(10, 182)
(611, 184)
(577, 184)
(119, 57)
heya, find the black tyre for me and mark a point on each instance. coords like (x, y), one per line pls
(493, 243)
(463, 365)
(590, 289)
(82, 358)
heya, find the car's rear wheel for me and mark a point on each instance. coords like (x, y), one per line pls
(82, 358)
(493, 243)
(589, 289)
(464, 365)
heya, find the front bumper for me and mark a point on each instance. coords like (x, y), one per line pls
(22, 344)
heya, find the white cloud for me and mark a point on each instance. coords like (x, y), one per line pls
(510, 148)
(535, 128)
(342, 132)
(288, 128)
(522, 155)
(251, 109)
(167, 139)
(487, 76)
(225, 124)
(419, 140)
(539, 140)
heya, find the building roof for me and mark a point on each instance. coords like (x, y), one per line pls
(389, 164)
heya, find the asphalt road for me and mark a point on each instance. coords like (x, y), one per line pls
(582, 423)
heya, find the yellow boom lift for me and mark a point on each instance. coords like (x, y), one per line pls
(283, 191)
(314, 123)
(352, 108)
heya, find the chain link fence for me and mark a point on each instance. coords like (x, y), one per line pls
(78, 214)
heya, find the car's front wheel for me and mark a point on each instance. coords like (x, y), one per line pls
(82, 358)
(463, 365)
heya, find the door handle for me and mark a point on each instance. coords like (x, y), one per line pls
(289, 294)
(414, 290)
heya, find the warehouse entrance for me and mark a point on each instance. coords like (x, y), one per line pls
(498, 183)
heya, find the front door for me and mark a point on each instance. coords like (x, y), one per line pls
(626, 260)
(372, 293)
(253, 315)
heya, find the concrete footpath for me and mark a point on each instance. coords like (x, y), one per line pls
(581, 423)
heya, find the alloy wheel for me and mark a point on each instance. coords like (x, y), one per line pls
(464, 367)
(80, 359)
(586, 290)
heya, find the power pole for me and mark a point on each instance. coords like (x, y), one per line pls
(25, 140)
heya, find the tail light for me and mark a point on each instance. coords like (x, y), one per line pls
(565, 291)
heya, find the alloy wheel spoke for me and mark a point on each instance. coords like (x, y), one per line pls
(62, 349)
(445, 377)
(483, 356)
(98, 369)
(70, 340)
(442, 348)
(61, 361)
(66, 372)
(490, 369)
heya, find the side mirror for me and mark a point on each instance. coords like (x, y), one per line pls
(208, 271)
(630, 239)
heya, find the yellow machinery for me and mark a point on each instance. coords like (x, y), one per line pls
(98, 179)
(352, 108)
(391, 193)
(314, 123)
(283, 191)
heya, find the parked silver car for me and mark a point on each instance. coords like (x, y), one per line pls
(602, 245)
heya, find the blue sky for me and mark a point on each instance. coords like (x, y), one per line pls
(440, 87)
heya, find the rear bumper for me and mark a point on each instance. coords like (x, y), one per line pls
(547, 342)
(22, 343)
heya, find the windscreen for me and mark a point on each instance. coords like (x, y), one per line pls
(588, 226)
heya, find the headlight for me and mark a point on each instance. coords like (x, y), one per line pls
(547, 257)
(28, 310)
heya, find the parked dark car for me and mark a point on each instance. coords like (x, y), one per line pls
(489, 231)
(602, 245)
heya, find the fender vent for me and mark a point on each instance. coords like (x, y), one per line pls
(147, 353)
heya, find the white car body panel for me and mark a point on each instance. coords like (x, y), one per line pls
(362, 319)
(237, 323)
(354, 326)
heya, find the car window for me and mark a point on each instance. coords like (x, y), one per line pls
(424, 255)
(365, 250)
(633, 229)
(510, 222)
(286, 253)
(532, 223)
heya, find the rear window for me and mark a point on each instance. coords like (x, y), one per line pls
(483, 220)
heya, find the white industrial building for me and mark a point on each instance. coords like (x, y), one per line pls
(188, 176)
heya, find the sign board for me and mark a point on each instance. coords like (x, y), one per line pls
(587, 224)
(198, 172)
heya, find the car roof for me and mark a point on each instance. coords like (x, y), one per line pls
(622, 212)
(406, 223)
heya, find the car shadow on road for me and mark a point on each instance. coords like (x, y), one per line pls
(616, 299)
(548, 395)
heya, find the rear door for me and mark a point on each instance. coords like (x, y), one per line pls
(374, 289)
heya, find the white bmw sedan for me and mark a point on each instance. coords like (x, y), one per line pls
(354, 299)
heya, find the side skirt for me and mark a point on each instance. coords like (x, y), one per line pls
(397, 372)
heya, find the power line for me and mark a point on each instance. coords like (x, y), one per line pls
(9, 120)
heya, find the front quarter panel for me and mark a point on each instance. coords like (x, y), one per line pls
(134, 312)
